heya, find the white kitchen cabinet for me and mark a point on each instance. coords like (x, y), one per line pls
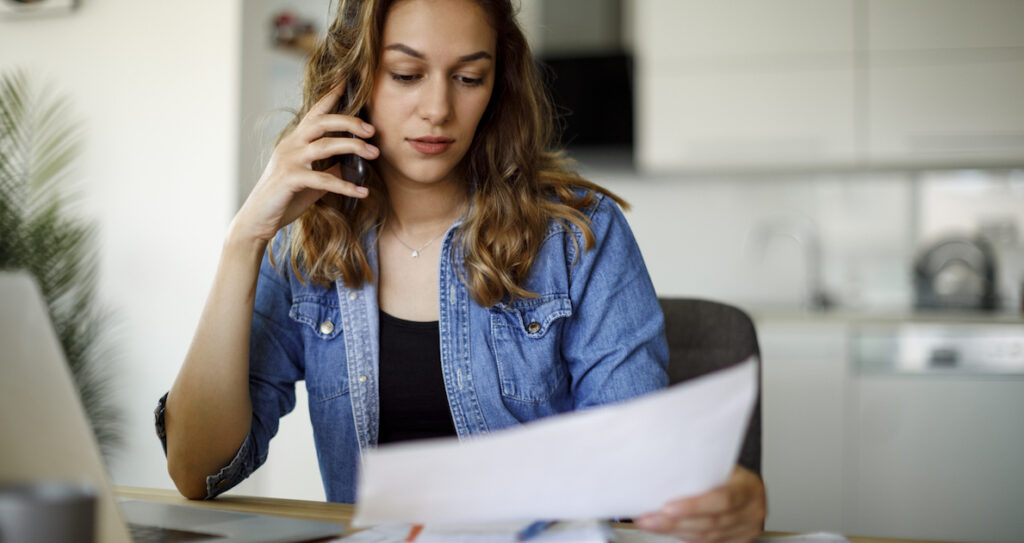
(944, 82)
(804, 390)
(936, 25)
(688, 33)
(938, 457)
(743, 85)
(947, 113)
(746, 120)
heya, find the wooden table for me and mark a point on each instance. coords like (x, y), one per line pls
(326, 511)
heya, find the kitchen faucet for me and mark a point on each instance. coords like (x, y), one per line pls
(804, 232)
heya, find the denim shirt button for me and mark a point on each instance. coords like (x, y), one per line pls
(353, 295)
(326, 327)
(362, 378)
(533, 327)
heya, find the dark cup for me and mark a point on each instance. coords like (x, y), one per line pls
(47, 513)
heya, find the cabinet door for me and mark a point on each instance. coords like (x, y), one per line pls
(943, 25)
(944, 85)
(673, 33)
(947, 114)
(938, 457)
(744, 84)
(804, 384)
(745, 120)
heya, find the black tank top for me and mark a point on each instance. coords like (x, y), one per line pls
(413, 401)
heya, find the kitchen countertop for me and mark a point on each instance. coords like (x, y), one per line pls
(848, 316)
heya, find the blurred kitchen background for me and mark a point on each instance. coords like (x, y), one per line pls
(851, 172)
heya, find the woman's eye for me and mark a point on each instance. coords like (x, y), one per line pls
(470, 81)
(404, 78)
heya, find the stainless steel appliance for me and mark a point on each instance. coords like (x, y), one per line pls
(956, 273)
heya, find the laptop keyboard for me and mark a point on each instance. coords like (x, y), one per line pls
(156, 534)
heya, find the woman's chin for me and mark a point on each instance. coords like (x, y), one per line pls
(428, 176)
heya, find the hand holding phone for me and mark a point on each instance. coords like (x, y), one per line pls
(296, 175)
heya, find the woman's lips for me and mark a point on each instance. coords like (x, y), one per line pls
(431, 145)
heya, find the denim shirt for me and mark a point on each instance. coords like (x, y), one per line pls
(594, 334)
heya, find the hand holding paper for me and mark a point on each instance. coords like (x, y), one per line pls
(620, 460)
(734, 511)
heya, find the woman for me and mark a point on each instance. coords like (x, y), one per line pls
(469, 236)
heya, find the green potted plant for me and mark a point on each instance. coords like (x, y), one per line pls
(38, 146)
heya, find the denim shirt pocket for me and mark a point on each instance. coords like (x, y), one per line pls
(326, 369)
(527, 338)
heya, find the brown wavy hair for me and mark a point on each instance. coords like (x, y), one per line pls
(518, 182)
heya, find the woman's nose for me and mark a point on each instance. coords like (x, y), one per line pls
(435, 103)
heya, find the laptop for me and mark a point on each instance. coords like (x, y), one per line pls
(46, 438)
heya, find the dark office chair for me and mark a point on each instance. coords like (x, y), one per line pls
(704, 336)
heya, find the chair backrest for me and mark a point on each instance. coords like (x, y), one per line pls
(704, 336)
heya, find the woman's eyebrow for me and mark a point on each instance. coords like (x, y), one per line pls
(401, 47)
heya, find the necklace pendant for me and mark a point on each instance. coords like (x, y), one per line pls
(415, 254)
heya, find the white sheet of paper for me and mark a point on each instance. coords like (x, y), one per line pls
(614, 461)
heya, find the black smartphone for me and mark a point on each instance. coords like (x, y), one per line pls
(354, 168)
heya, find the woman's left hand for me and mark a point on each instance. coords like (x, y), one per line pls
(733, 512)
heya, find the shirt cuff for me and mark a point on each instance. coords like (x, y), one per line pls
(235, 472)
(238, 469)
(158, 415)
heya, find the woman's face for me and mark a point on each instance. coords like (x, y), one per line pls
(432, 85)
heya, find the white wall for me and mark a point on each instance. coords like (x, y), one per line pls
(155, 85)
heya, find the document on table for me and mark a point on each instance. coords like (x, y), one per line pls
(396, 533)
(589, 531)
(563, 532)
(637, 536)
(613, 461)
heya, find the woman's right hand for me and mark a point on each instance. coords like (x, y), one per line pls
(289, 185)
